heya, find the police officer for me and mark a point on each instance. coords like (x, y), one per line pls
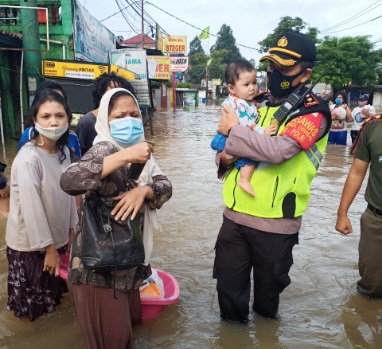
(258, 234)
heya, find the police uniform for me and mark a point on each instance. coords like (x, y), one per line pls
(282, 195)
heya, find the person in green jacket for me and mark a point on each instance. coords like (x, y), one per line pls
(258, 233)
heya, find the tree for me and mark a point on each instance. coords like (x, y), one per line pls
(286, 23)
(379, 69)
(217, 66)
(198, 64)
(355, 61)
(253, 62)
(226, 41)
(198, 61)
(195, 46)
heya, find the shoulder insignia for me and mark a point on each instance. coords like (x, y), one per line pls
(310, 100)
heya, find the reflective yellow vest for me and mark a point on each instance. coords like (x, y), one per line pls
(281, 190)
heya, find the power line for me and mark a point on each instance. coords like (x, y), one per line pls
(358, 14)
(102, 20)
(355, 26)
(139, 10)
(191, 25)
(127, 21)
(147, 15)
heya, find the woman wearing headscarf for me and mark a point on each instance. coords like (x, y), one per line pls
(106, 322)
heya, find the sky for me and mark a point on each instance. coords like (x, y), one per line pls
(250, 20)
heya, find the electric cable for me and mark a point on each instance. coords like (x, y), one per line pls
(135, 30)
(358, 14)
(355, 26)
(146, 15)
(191, 25)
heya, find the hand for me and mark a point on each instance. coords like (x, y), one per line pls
(270, 130)
(343, 225)
(140, 152)
(227, 120)
(129, 202)
(365, 111)
(52, 260)
(4, 193)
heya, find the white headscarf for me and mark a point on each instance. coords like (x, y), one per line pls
(102, 123)
(151, 224)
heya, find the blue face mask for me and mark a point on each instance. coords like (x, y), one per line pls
(126, 131)
(338, 101)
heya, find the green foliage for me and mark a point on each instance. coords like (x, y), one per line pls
(198, 64)
(379, 68)
(217, 67)
(356, 62)
(288, 23)
(227, 42)
(195, 46)
(184, 84)
(253, 62)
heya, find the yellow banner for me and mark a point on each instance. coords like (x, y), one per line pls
(127, 74)
(158, 67)
(73, 70)
(175, 44)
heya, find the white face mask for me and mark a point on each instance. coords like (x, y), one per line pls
(53, 133)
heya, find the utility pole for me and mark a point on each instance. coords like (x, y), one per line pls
(143, 27)
(207, 83)
(31, 40)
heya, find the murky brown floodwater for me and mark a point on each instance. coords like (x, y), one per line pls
(320, 309)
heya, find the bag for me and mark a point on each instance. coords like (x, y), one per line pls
(108, 244)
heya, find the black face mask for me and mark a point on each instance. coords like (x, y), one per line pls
(279, 84)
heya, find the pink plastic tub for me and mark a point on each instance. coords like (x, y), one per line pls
(64, 266)
(151, 307)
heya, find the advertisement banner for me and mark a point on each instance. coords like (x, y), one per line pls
(159, 67)
(93, 40)
(179, 64)
(128, 75)
(73, 70)
(216, 82)
(175, 44)
(134, 60)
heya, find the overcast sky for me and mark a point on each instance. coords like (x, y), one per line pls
(250, 20)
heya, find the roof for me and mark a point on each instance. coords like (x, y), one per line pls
(138, 39)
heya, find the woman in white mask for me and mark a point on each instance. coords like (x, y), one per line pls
(42, 217)
(105, 170)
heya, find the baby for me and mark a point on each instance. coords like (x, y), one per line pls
(241, 81)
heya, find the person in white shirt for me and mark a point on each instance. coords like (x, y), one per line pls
(42, 216)
(359, 114)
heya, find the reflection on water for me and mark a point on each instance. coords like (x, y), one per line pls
(320, 309)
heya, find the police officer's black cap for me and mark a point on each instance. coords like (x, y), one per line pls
(291, 48)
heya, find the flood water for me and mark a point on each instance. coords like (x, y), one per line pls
(320, 309)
